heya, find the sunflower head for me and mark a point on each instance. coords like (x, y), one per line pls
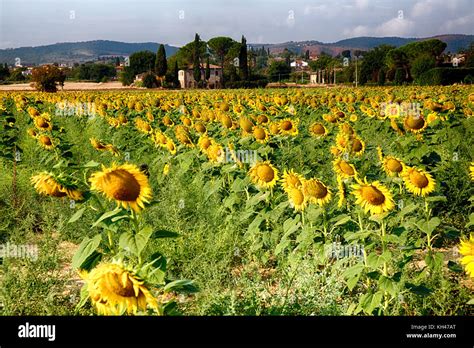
(260, 134)
(318, 130)
(392, 165)
(297, 199)
(374, 198)
(114, 290)
(417, 181)
(415, 124)
(344, 168)
(316, 192)
(125, 184)
(289, 126)
(291, 180)
(49, 185)
(263, 174)
(45, 141)
(466, 249)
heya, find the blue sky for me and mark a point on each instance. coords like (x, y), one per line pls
(39, 22)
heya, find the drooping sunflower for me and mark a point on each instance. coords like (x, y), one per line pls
(297, 199)
(289, 127)
(291, 180)
(341, 191)
(392, 166)
(263, 174)
(318, 130)
(32, 132)
(417, 181)
(125, 184)
(357, 146)
(415, 124)
(204, 142)
(46, 142)
(47, 184)
(316, 192)
(374, 197)
(114, 290)
(467, 250)
(246, 124)
(471, 171)
(215, 152)
(344, 168)
(171, 146)
(260, 134)
(42, 123)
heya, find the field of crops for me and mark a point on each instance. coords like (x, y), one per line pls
(248, 202)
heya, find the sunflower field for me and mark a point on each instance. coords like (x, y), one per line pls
(336, 201)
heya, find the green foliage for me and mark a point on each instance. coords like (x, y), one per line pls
(141, 62)
(149, 80)
(94, 72)
(46, 78)
(278, 71)
(445, 76)
(421, 64)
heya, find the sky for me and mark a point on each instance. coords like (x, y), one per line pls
(42, 22)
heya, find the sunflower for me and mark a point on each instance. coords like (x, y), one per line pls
(471, 171)
(418, 181)
(215, 152)
(125, 184)
(260, 134)
(415, 124)
(263, 174)
(344, 168)
(46, 184)
(467, 250)
(291, 180)
(166, 169)
(318, 130)
(167, 121)
(143, 126)
(353, 118)
(274, 128)
(358, 146)
(246, 124)
(114, 290)
(297, 199)
(200, 127)
(204, 142)
(46, 142)
(392, 165)
(97, 144)
(170, 145)
(32, 132)
(374, 198)
(316, 192)
(42, 123)
(226, 121)
(289, 127)
(341, 192)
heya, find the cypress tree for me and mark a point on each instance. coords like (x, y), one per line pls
(161, 66)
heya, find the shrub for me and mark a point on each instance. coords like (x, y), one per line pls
(444, 76)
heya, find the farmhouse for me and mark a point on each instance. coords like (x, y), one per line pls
(186, 77)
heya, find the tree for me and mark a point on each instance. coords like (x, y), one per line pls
(4, 72)
(176, 74)
(220, 47)
(46, 78)
(208, 70)
(306, 55)
(17, 75)
(324, 61)
(381, 77)
(421, 64)
(399, 76)
(142, 61)
(278, 70)
(196, 60)
(373, 62)
(160, 63)
(243, 61)
(127, 76)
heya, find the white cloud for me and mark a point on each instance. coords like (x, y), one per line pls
(360, 30)
(395, 27)
(458, 24)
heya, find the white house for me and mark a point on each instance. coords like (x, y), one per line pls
(299, 64)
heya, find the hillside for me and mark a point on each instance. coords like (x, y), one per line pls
(68, 52)
(454, 43)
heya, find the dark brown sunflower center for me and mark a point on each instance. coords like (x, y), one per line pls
(418, 179)
(356, 145)
(259, 133)
(114, 284)
(373, 195)
(286, 125)
(415, 122)
(394, 166)
(46, 140)
(265, 173)
(346, 168)
(123, 186)
(318, 129)
(316, 189)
